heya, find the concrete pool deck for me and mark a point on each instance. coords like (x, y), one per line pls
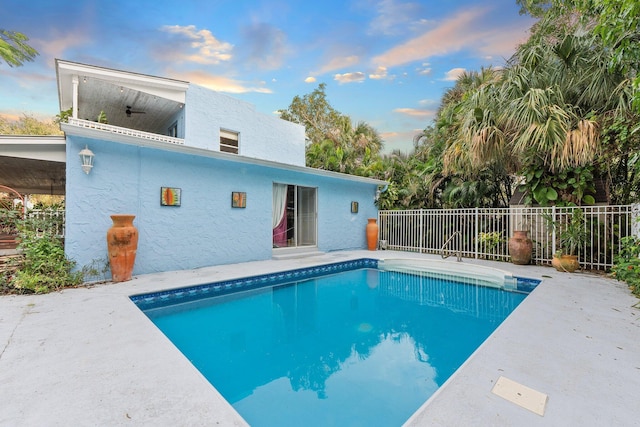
(89, 356)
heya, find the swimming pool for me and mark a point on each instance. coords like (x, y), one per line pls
(342, 344)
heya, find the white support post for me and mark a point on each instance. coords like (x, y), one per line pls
(74, 110)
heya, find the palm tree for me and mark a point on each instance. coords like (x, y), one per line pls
(475, 152)
(543, 112)
(554, 93)
(365, 136)
(470, 120)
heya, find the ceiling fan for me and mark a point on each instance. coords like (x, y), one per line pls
(129, 111)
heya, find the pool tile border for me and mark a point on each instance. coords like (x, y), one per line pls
(168, 297)
(180, 295)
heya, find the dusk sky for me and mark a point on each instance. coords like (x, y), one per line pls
(386, 62)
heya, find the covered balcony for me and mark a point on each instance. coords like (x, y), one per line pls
(121, 103)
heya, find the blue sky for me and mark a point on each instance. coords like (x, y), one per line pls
(386, 62)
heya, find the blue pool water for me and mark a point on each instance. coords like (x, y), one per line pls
(361, 347)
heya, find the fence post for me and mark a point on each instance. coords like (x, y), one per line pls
(553, 230)
(421, 222)
(635, 217)
(476, 232)
(380, 231)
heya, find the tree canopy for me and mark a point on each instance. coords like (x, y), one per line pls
(334, 142)
(614, 22)
(29, 125)
(559, 116)
(14, 49)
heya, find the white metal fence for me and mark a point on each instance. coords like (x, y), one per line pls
(484, 232)
(49, 218)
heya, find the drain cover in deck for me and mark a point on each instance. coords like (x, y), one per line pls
(521, 395)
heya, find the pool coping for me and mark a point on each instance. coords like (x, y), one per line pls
(181, 295)
(90, 356)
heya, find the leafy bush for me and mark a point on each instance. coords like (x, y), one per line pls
(627, 263)
(9, 218)
(491, 243)
(8, 267)
(43, 266)
(96, 271)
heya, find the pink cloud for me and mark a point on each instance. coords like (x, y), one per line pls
(469, 29)
(221, 83)
(414, 112)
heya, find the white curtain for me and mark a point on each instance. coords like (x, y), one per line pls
(279, 203)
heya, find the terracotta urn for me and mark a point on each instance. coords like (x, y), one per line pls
(566, 263)
(520, 247)
(122, 244)
(372, 234)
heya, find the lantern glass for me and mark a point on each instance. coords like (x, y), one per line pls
(86, 158)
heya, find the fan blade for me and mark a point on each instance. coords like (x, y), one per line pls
(129, 111)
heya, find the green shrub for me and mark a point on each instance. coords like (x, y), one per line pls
(9, 218)
(96, 271)
(43, 266)
(627, 264)
(490, 240)
(491, 243)
(8, 268)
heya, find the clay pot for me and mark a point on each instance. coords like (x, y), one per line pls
(122, 244)
(372, 234)
(520, 248)
(567, 263)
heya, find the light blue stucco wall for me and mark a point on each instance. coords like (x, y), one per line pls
(260, 136)
(338, 228)
(204, 230)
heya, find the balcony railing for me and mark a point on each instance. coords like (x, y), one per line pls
(125, 131)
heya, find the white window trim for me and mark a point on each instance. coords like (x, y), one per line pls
(230, 135)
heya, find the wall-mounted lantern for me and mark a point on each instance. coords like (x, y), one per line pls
(86, 157)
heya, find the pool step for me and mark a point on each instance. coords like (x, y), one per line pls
(295, 253)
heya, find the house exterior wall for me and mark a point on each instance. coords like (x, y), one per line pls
(204, 230)
(261, 136)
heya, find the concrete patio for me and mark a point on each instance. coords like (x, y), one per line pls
(89, 356)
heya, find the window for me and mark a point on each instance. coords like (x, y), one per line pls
(228, 141)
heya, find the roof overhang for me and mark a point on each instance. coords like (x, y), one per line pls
(125, 99)
(185, 149)
(48, 148)
(171, 89)
(33, 164)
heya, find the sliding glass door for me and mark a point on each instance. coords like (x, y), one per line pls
(294, 216)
